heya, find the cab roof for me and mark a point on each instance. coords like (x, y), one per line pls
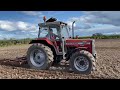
(58, 23)
(51, 21)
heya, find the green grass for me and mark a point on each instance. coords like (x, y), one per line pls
(4, 43)
(101, 37)
(12, 42)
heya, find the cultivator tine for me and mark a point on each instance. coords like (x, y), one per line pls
(18, 61)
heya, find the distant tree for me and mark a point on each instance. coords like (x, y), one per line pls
(77, 36)
(97, 34)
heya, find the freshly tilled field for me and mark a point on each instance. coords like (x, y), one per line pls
(108, 64)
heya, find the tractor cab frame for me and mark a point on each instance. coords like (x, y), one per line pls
(61, 29)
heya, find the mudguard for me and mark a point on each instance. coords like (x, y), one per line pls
(46, 42)
(42, 40)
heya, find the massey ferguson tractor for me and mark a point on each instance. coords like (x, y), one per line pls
(44, 52)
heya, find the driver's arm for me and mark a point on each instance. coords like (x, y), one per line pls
(56, 36)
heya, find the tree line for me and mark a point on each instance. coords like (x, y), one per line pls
(100, 36)
(12, 41)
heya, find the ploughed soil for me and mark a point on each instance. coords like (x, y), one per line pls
(14, 66)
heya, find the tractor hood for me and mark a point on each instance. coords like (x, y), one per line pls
(88, 44)
(79, 42)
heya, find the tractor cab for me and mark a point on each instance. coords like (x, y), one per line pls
(54, 31)
(59, 28)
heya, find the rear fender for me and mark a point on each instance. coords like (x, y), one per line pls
(48, 43)
(41, 41)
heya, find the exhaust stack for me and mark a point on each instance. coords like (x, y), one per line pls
(73, 29)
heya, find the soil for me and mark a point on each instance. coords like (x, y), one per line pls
(14, 66)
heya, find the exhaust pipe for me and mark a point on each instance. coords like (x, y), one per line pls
(73, 29)
(63, 47)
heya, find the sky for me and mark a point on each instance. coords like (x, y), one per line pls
(24, 24)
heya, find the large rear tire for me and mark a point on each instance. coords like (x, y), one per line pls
(82, 62)
(39, 56)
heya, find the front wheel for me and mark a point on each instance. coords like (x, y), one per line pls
(82, 62)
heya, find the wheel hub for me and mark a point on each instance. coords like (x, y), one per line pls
(37, 58)
(81, 63)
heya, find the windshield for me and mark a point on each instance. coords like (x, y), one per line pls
(64, 31)
(43, 32)
(48, 31)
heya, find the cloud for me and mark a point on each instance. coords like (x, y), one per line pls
(18, 29)
(100, 17)
(7, 25)
(70, 24)
(19, 25)
(110, 29)
(25, 26)
(18, 34)
(33, 13)
(79, 25)
(105, 22)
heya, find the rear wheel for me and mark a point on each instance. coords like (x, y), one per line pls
(82, 62)
(39, 56)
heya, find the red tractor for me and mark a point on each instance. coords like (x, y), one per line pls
(44, 51)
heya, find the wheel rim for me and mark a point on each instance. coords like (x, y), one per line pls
(37, 57)
(81, 63)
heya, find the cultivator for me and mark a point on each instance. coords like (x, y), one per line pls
(21, 61)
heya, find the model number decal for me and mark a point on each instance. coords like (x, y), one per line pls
(79, 43)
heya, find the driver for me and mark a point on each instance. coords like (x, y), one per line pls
(52, 36)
